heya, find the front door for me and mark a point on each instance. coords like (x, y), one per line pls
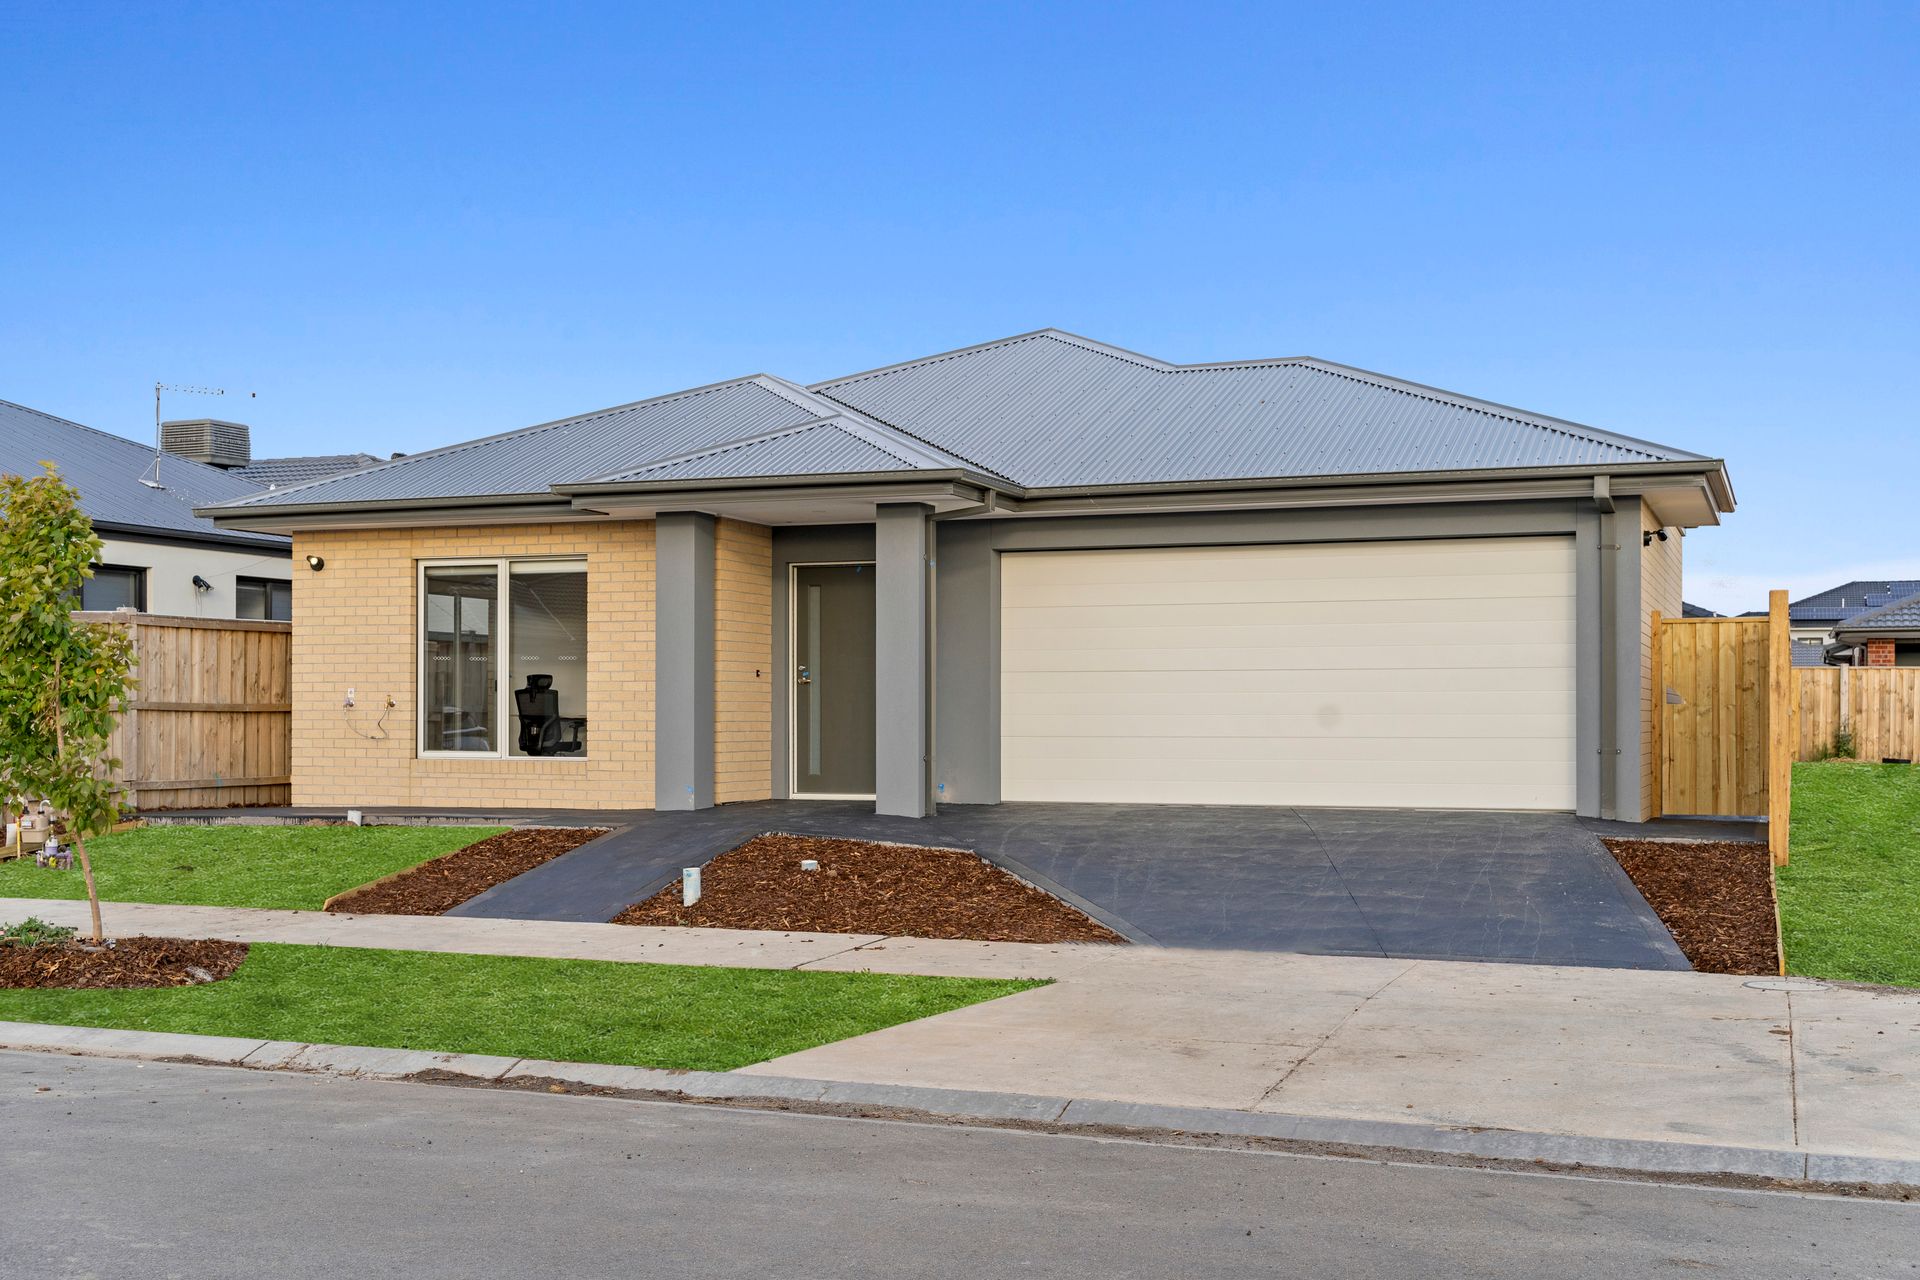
(833, 691)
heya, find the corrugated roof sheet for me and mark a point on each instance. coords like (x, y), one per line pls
(533, 459)
(279, 472)
(817, 449)
(1050, 409)
(1899, 615)
(107, 470)
(1042, 410)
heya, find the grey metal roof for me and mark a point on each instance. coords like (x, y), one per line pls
(1040, 410)
(1900, 615)
(819, 448)
(1689, 610)
(107, 471)
(1050, 409)
(279, 472)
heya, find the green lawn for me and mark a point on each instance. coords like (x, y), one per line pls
(293, 868)
(642, 1015)
(1850, 893)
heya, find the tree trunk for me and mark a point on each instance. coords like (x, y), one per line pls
(93, 895)
(79, 842)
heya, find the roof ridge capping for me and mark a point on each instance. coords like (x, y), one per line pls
(832, 421)
(1653, 450)
(776, 386)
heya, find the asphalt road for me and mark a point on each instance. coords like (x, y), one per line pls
(118, 1169)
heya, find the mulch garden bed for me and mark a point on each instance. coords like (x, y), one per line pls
(1714, 896)
(863, 887)
(436, 887)
(129, 962)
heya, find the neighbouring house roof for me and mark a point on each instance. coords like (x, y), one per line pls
(273, 473)
(114, 477)
(1696, 611)
(1040, 412)
(1850, 599)
(1897, 618)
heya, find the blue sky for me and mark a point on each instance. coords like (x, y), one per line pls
(402, 226)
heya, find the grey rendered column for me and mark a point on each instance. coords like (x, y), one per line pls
(903, 660)
(683, 661)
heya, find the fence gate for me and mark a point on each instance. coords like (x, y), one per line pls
(1724, 734)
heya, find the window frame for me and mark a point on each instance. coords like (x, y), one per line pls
(267, 585)
(502, 567)
(139, 572)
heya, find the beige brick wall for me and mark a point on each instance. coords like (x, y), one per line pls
(1659, 590)
(743, 662)
(355, 626)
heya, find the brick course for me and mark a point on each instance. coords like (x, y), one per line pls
(356, 627)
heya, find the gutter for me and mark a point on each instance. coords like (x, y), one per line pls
(1488, 484)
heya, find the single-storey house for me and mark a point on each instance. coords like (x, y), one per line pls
(1888, 636)
(1038, 569)
(159, 557)
(1814, 621)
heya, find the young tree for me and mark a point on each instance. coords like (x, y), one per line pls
(63, 683)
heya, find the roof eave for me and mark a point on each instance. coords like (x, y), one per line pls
(1711, 471)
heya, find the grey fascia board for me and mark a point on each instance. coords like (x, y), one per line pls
(268, 542)
(702, 498)
(1853, 635)
(1499, 484)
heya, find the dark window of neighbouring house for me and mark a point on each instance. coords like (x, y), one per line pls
(114, 586)
(269, 599)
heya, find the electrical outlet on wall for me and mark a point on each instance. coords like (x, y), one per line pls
(349, 701)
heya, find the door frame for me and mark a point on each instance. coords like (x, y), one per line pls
(793, 702)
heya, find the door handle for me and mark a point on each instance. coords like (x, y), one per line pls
(804, 677)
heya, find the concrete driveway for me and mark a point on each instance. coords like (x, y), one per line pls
(1397, 884)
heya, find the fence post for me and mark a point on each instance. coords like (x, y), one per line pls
(1657, 800)
(1781, 737)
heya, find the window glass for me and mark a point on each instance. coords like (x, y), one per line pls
(113, 587)
(461, 683)
(265, 598)
(547, 629)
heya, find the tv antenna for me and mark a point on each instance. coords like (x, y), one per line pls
(180, 390)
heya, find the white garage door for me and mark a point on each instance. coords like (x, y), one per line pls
(1423, 674)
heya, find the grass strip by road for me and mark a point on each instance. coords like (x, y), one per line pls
(642, 1015)
(286, 868)
(1850, 894)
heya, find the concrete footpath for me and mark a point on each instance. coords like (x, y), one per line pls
(1693, 1072)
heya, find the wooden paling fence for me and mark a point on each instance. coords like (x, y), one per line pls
(1725, 733)
(1879, 706)
(210, 722)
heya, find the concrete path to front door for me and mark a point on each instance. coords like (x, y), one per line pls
(1396, 884)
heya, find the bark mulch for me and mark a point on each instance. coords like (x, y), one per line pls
(436, 887)
(862, 887)
(129, 962)
(1714, 896)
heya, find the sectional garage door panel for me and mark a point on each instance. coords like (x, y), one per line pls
(1433, 674)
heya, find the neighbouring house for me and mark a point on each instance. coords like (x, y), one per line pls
(1814, 620)
(159, 556)
(1690, 610)
(1039, 569)
(1885, 637)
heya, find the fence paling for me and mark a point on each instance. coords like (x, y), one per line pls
(1879, 705)
(211, 720)
(1713, 736)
